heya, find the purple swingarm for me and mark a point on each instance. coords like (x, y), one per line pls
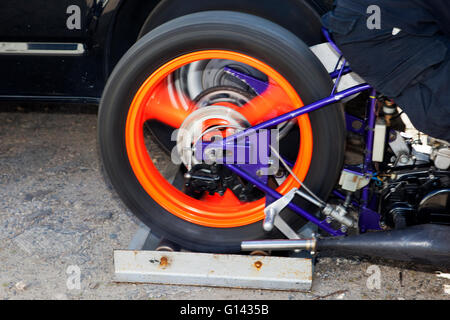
(369, 219)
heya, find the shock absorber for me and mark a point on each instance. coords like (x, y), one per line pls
(392, 116)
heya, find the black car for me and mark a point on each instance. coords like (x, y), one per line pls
(107, 52)
(64, 50)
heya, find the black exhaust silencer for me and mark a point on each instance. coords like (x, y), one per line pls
(423, 244)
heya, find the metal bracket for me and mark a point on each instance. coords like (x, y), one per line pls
(273, 210)
(273, 218)
(272, 213)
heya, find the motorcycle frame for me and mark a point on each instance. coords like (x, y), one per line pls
(369, 219)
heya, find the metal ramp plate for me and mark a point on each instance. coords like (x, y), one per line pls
(216, 270)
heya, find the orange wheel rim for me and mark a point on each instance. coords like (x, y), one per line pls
(211, 211)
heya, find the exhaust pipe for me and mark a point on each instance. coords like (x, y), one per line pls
(424, 244)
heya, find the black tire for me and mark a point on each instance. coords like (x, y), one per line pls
(300, 17)
(224, 30)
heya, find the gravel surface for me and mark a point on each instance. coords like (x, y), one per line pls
(57, 216)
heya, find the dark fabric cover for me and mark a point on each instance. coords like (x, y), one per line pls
(411, 67)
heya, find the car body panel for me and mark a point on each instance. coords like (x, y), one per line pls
(54, 73)
(45, 56)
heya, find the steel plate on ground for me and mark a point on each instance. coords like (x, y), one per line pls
(217, 270)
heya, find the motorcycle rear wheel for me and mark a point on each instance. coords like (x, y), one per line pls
(137, 93)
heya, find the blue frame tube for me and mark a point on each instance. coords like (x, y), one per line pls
(333, 98)
(365, 214)
(296, 113)
(288, 116)
(274, 194)
(342, 72)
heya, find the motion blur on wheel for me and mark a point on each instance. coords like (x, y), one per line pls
(206, 76)
(224, 131)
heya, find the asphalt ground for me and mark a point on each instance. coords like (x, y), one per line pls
(58, 217)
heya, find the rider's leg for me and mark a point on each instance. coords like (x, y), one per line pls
(408, 65)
